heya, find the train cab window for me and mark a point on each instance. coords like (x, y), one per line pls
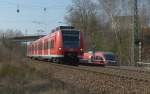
(71, 39)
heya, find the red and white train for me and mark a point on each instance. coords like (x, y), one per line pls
(63, 44)
(99, 58)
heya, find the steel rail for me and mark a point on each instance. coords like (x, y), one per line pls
(112, 74)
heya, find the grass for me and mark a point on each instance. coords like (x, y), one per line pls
(18, 76)
(24, 79)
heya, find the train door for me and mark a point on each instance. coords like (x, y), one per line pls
(42, 47)
(49, 46)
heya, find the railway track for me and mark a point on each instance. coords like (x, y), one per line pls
(131, 75)
(122, 73)
(127, 74)
(126, 68)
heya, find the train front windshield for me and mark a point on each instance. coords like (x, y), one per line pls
(71, 39)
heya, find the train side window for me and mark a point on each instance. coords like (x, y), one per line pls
(46, 45)
(33, 47)
(49, 44)
(40, 46)
(99, 58)
(52, 44)
(36, 47)
(29, 49)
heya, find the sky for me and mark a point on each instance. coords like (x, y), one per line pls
(32, 16)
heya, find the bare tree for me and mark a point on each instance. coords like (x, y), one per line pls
(8, 47)
(118, 11)
(109, 23)
(83, 15)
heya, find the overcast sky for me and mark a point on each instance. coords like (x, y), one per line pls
(32, 16)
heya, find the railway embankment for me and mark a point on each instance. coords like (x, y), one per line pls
(95, 82)
(17, 76)
(24, 79)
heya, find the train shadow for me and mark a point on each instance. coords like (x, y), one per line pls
(60, 63)
(71, 64)
(90, 64)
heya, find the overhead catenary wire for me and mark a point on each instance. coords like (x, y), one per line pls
(11, 4)
(41, 12)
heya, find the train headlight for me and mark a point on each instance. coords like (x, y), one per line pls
(81, 50)
(89, 56)
(60, 48)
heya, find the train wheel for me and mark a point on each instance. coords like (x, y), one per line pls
(75, 61)
(55, 60)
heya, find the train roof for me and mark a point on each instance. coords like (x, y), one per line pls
(102, 52)
(63, 28)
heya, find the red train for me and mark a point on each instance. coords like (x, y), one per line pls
(99, 58)
(63, 44)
